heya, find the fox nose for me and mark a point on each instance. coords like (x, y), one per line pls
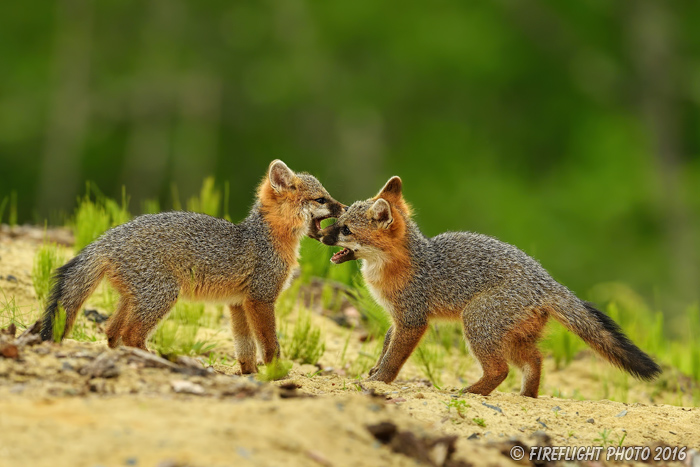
(329, 238)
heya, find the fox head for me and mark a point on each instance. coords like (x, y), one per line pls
(370, 229)
(296, 199)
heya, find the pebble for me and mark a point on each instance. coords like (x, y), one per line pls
(493, 407)
(11, 278)
(621, 414)
(131, 461)
(375, 408)
(474, 436)
(187, 387)
(590, 420)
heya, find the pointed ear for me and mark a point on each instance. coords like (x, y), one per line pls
(281, 176)
(381, 212)
(391, 191)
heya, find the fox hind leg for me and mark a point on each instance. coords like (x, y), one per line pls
(117, 321)
(523, 351)
(526, 356)
(495, 371)
(147, 311)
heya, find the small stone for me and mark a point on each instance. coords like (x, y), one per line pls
(621, 414)
(473, 436)
(104, 366)
(9, 351)
(243, 452)
(492, 407)
(398, 400)
(95, 316)
(318, 458)
(187, 387)
(131, 461)
(11, 278)
(590, 420)
(543, 439)
(419, 395)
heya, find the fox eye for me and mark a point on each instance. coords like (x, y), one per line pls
(345, 231)
(321, 200)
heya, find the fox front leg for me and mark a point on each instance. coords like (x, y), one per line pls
(261, 319)
(403, 341)
(244, 341)
(387, 339)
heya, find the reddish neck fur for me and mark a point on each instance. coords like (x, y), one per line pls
(285, 223)
(395, 271)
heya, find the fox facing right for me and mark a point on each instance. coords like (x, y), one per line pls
(502, 296)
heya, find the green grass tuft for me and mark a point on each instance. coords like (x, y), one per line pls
(11, 313)
(305, 343)
(375, 319)
(95, 216)
(209, 200)
(59, 324)
(46, 260)
(275, 370)
(178, 334)
(430, 358)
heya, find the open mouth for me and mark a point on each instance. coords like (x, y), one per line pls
(317, 222)
(315, 227)
(346, 254)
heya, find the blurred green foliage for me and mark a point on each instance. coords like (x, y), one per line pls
(567, 128)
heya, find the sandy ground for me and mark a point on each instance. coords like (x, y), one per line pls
(81, 404)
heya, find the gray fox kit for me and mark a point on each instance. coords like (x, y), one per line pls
(157, 258)
(502, 296)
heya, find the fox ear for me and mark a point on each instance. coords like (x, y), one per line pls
(281, 176)
(381, 212)
(392, 190)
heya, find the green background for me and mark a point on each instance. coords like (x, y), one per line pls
(570, 129)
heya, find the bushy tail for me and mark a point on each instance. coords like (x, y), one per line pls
(72, 285)
(605, 337)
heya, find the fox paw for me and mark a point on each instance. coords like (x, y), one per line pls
(248, 368)
(379, 377)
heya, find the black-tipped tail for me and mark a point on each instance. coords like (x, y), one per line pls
(72, 283)
(58, 285)
(619, 349)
